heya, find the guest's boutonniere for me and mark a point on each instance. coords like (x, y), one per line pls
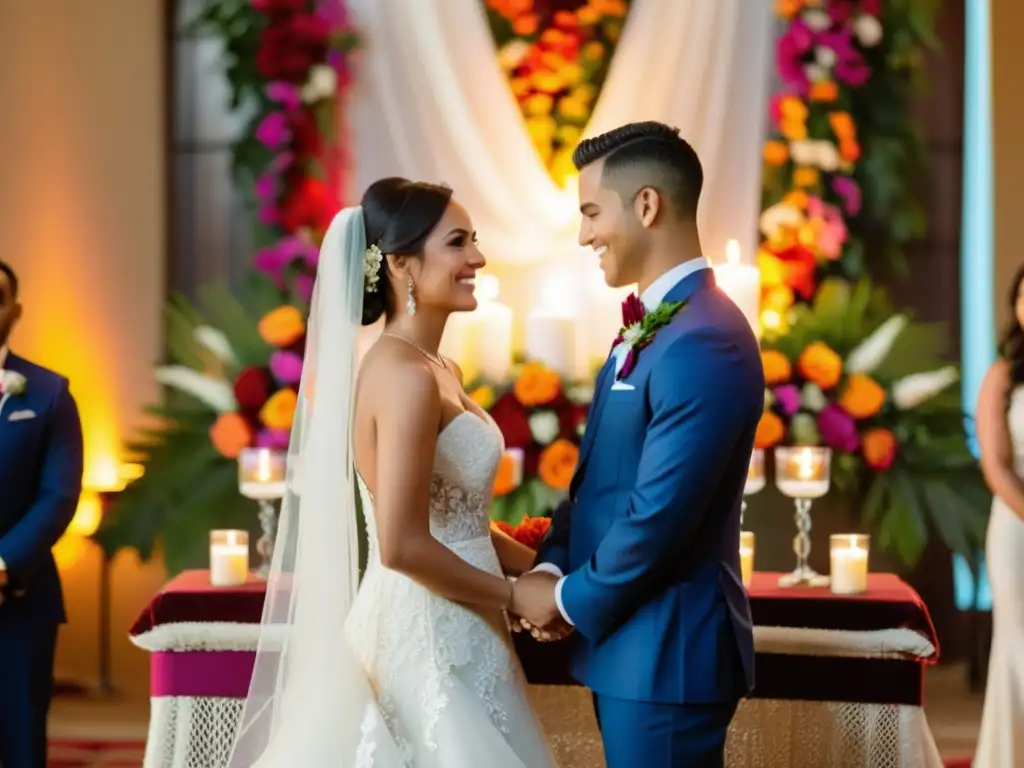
(639, 328)
(11, 383)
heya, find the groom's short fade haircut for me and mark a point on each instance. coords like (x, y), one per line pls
(7, 270)
(646, 154)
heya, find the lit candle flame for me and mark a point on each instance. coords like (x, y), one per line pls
(805, 465)
(263, 470)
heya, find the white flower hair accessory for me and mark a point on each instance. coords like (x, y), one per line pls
(371, 267)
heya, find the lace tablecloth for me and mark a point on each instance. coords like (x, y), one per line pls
(200, 663)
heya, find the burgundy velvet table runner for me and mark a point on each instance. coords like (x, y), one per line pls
(889, 603)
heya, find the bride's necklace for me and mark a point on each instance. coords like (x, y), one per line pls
(432, 357)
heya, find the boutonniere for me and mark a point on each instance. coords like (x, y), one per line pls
(11, 383)
(639, 328)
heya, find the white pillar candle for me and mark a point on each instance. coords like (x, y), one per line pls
(848, 553)
(491, 331)
(229, 558)
(551, 339)
(741, 283)
(457, 343)
(746, 557)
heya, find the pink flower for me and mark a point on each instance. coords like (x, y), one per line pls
(792, 48)
(787, 397)
(849, 192)
(850, 67)
(286, 367)
(304, 286)
(268, 214)
(275, 259)
(276, 439)
(838, 429)
(832, 228)
(273, 131)
(284, 93)
(266, 187)
(281, 163)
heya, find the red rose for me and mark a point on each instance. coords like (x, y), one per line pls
(532, 531)
(281, 7)
(570, 416)
(799, 267)
(306, 138)
(306, 204)
(510, 416)
(252, 388)
(289, 48)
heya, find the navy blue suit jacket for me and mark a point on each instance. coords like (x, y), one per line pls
(40, 483)
(649, 540)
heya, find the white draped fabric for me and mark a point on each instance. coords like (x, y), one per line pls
(431, 102)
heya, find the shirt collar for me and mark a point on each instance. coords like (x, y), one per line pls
(658, 290)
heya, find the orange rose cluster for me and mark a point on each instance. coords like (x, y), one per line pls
(530, 532)
(812, 401)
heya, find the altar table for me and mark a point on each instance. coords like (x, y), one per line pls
(839, 679)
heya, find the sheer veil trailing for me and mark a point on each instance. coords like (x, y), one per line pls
(309, 701)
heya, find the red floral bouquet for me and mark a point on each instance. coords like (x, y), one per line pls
(530, 532)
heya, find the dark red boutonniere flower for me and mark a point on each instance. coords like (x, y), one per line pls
(639, 333)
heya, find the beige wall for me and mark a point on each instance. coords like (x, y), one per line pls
(1008, 115)
(82, 213)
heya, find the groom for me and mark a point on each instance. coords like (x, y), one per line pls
(643, 562)
(40, 480)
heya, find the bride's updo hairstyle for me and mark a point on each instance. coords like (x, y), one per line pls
(399, 215)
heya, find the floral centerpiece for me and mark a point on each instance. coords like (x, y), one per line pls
(556, 55)
(890, 421)
(542, 417)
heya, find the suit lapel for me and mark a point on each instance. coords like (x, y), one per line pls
(13, 363)
(596, 409)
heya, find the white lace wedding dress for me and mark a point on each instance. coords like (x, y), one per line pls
(449, 687)
(1001, 741)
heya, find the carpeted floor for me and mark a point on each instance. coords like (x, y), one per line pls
(79, 753)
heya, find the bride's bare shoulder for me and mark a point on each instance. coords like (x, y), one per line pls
(389, 370)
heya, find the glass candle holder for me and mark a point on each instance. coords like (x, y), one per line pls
(747, 556)
(261, 476)
(755, 479)
(803, 473)
(229, 558)
(848, 555)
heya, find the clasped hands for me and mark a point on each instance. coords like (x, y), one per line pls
(533, 608)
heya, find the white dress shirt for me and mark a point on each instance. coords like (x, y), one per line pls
(651, 298)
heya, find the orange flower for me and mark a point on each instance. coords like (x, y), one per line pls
(842, 126)
(778, 299)
(536, 385)
(787, 9)
(282, 326)
(506, 480)
(229, 434)
(797, 198)
(557, 464)
(824, 90)
(501, 525)
(775, 152)
(819, 364)
(805, 177)
(526, 25)
(777, 369)
(862, 397)
(279, 411)
(770, 431)
(849, 150)
(879, 446)
(530, 532)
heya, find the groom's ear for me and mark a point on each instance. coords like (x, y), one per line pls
(647, 205)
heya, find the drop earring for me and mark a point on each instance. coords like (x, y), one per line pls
(410, 300)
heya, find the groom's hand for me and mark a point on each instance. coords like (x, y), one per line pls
(533, 599)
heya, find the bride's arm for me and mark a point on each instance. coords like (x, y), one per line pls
(406, 441)
(997, 462)
(516, 559)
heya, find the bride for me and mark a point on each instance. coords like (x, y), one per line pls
(414, 666)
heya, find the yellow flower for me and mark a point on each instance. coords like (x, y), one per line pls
(547, 82)
(562, 166)
(772, 272)
(483, 396)
(797, 198)
(541, 128)
(805, 177)
(538, 104)
(592, 51)
(778, 298)
(569, 134)
(571, 109)
(279, 411)
(520, 86)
